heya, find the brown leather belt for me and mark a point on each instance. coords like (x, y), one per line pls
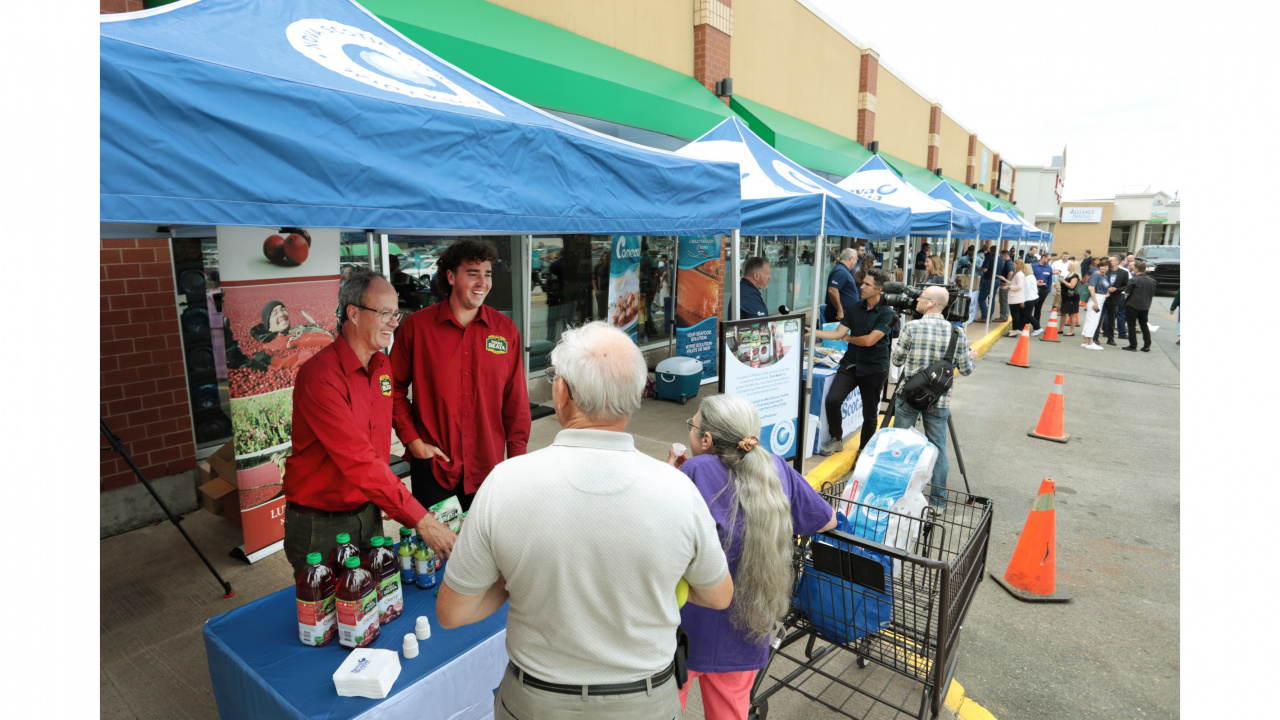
(313, 512)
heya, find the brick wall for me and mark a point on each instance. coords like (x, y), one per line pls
(868, 79)
(118, 6)
(143, 386)
(712, 28)
(935, 137)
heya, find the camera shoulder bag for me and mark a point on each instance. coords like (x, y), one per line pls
(923, 390)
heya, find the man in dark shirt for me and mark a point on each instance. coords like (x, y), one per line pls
(1140, 290)
(1085, 263)
(1118, 277)
(984, 290)
(866, 327)
(755, 277)
(920, 258)
(1044, 283)
(842, 289)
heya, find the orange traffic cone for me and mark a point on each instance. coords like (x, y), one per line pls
(1030, 575)
(1051, 330)
(1023, 348)
(1050, 426)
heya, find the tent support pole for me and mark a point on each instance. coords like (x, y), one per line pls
(814, 324)
(524, 280)
(385, 242)
(369, 241)
(737, 265)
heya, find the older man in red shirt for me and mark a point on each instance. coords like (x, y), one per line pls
(339, 474)
(464, 362)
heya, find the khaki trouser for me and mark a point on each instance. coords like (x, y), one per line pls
(516, 701)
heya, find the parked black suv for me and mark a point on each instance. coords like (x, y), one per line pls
(1163, 264)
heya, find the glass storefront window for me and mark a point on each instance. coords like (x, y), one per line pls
(414, 263)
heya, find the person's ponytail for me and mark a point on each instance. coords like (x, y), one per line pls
(762, 586)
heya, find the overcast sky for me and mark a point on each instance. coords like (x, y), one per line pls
(1098, 77)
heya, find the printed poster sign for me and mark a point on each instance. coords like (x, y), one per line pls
(280, 293)
(699, 301)
(624, 283)
(762, 362)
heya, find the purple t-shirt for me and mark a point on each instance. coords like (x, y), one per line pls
(714, 644)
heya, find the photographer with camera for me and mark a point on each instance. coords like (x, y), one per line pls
(866, 326)
(929, 349)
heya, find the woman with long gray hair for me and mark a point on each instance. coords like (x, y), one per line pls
(759, 503)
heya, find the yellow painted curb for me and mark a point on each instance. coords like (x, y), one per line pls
(963, 707)
(831, 469)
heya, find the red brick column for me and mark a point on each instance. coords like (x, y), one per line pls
(995, 174)
(143, 386)
(868, 74)
(107, 7)
(712, 30)
(1013, 183)
(935, 136)
(971, 165)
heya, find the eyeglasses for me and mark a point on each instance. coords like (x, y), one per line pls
(689, 422)
(551, 378)
(385, 315)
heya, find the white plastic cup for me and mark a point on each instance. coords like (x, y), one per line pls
(423, 628)
(410, 646)
(680, 451)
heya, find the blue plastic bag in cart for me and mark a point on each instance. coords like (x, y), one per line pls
(846, 598)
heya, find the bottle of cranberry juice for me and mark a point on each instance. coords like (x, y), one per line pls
(390, 595)
(370, 560)
(317, 621)
(338, 556)
(357, 601)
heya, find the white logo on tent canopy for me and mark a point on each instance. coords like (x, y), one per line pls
(795, 177)
(369, 59)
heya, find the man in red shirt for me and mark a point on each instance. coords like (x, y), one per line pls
(339, 474)
(464, 361)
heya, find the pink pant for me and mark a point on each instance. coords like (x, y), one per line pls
(725, 696)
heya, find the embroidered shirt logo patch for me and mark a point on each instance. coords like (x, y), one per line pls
(496, 344)
(385, 383)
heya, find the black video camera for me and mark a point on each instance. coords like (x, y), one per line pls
(903, 297)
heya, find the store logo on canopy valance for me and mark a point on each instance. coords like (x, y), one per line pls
(367, 58)
(878, 194)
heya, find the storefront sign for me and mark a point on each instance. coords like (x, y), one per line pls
(1081, 214)
(1006, 177)
(280, 290)
(624, 283)
(699, 292)
(761, 362)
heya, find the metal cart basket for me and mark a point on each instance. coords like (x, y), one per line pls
(901, 609)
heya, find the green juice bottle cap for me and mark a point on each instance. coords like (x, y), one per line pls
(377, 541)
(343, 538)
(314, 558)
(353, 562)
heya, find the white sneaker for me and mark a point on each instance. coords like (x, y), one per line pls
(1038, 332)
(1153, 328)
(1094, 346)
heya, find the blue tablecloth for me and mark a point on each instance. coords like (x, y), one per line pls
(261, 670)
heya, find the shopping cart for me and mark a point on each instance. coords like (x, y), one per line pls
(900, 609)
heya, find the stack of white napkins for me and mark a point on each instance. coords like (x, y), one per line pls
(367, 673)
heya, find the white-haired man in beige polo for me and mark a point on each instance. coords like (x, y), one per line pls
(587, 539)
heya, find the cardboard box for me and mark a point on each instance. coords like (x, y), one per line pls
(214, 495)
(231, 507)
(206, 472)
(223, 463)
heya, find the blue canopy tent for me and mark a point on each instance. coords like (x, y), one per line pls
(317, 114)
(781, 198)
(878, 182)
(987, 228)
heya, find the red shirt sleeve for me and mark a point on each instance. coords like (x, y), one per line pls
(401, 379)
(320, 402)
(515, 406)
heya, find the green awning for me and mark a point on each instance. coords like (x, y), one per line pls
(553, 68)
(362, 249)
(920, 178)
(805, 143)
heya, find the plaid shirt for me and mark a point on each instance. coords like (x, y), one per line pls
(924, 342)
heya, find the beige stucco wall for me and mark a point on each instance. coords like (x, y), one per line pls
(1074, 238)
(954, 153)
(660, 32)
(787, 58)
(902, 119)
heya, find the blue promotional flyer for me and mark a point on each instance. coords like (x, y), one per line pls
(699, 284)
(624, 283)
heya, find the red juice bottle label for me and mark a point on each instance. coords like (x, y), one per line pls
(317, 623)
(391, 598)
(358, 620)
